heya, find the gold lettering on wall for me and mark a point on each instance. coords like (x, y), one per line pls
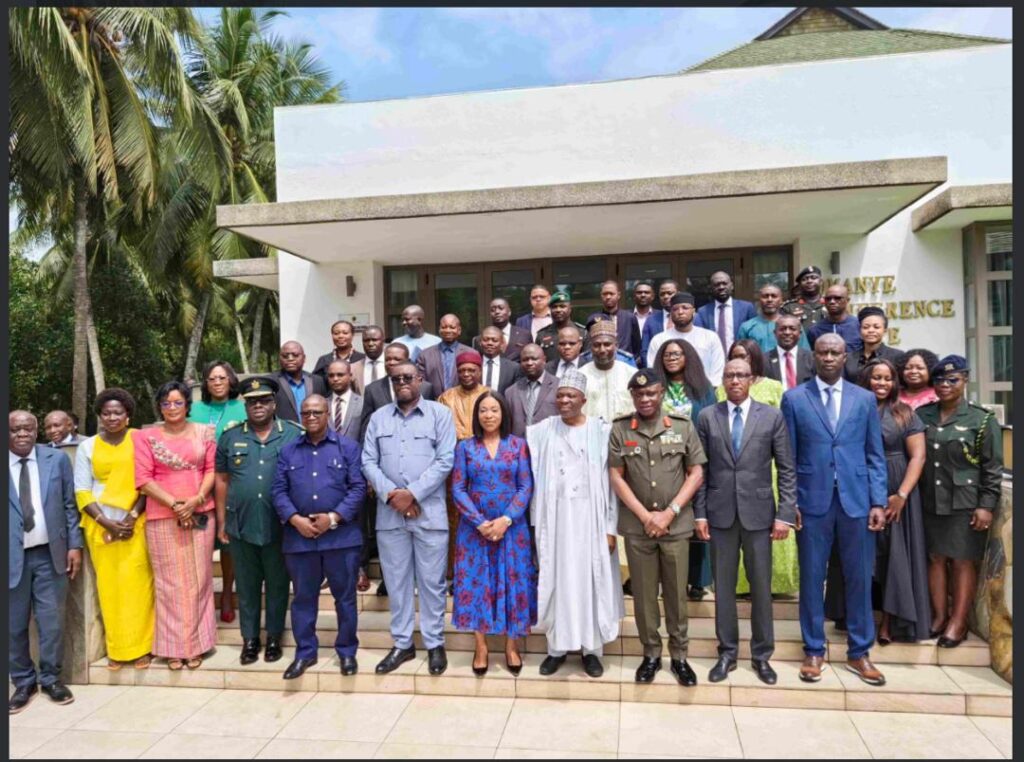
(868, 286)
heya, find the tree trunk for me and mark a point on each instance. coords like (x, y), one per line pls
(241, 345)
(196, 338)
(257, 327)
(83, 305)
(94, 352)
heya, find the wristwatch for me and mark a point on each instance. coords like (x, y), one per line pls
(334, 522)
(134, 513)
(508, 520)
(902, 494)
(675, 508)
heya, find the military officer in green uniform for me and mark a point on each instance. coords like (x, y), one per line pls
(809, 306)
(654, 462)
(960, 493)
(245, 465)
(561, 316)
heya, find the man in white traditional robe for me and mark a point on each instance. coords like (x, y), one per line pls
(575, 515)
(607, 378)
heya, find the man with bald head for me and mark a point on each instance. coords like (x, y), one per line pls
(60, 429)
(45, 544)
(416, 337)
(761, 328)
(295, 384)
(837, 320)
(723, 314)
(531, 399)
(437, 363)
(513, 337)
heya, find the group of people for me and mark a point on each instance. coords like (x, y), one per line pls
(535, 474)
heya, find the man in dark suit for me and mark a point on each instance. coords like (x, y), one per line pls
(661, 318)
(381, 393)
(499, 373)
(627, 329)
(570, 347)
(344, 404)
(295, 384)
(723, 314)
(318, 491)
(437, 363)
(45, 547)
(514, 337)
(342, 333)
(735, 508)
(60, 430)
(842, 493)
(789, 363)
(539, 314)
(531, 398)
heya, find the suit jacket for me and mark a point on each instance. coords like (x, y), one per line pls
(508, 373)
(355, 365)
(544, 408)
(526, 323)
(628, 330)
(804, 365)
(60, 511)
(431, 365)
(552, 367)
(352, 424)
(377, 396)
(742, 311)
(742, 486)
(517, 339)
(286, 407)
(654, 325)
(76, 439)
(853, 453)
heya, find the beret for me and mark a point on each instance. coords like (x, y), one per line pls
(470, 355)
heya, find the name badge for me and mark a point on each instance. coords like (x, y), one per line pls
(671, 439)
(961, 428)
(241, 444)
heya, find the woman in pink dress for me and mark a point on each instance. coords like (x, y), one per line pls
(914, 369)
(174, 468)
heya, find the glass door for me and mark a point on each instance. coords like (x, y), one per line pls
(457, 291)
(582, 278)
(699, 270)
(512, 284)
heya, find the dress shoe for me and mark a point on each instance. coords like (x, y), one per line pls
(695, 593)
(945, 642)
(250, 651)
(627, 587)
(58, 692)
(811, 669)
(297, 667)
(382, 590)
(396, 658)
(647, 669)
(349, 665)
(273, 651)
(722, 668)
(592, 666)
(683, 672)
(551, 664)
(865, 670)
(21, 697)
(841, 624)
(437, 660)
(764, 671)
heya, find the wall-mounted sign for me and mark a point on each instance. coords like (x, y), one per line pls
(865, 291)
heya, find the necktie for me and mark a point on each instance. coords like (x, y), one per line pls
(790, 370)
(531, 400)
(339, 413)
(830, 408)
(490, 373)
(565, 366)
(28, 513)
(721, 327)
(737, 430)
(448, 355)
(374, 369)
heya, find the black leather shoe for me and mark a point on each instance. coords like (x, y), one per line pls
(297, 667)
(592, 665)
(551, 664)
(58, 692)
(250, 651)
(695, 593)
(437, 660)
(683, 672)
(647, 669)
(21, 697)
(396, 658)
(627, 587)
(722, 668)
(841, 625)
(382, 590)
(764, 671)
(349, 665)
(273, 651)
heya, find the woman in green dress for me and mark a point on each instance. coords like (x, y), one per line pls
(768, 391)
(219, 407)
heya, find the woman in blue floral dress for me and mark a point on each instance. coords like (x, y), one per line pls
(495, 578)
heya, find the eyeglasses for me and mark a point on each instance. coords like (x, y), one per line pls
(313, 413)
(402, 380)
(167, 404)
(948, 380)
(736, 376)
(834, 298)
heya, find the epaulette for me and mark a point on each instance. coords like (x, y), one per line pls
(231, 425)
(678, 416)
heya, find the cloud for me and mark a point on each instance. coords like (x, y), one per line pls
(354, 33)
(985, 22)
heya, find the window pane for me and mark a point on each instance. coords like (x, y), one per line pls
(966, 238)
(698, 275)
(1001, 352)
(655, 272)
(1006, 400)
(1000, 303)
(394, 327)
(771, 267)
(457, 293)
(972, 358)
(999, 247)
(514, 287)
(582, 279)
(401, 289)
(970, 308)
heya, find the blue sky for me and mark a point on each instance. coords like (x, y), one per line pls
(402, 52)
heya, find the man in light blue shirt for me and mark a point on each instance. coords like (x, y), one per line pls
(416, 337)
(408, 451)
(762, 327)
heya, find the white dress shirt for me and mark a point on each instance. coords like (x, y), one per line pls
(560, 369)
(730, 333)
(495, 373)
(38, 535)
(744, 408)
(341, 400)
(837, 394)
(782, 367)
(368, 366)
(641, 319)
(704, 341)
(506, 332)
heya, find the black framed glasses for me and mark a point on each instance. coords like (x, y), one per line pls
(403, 379)
(948, 380)
(312, 413)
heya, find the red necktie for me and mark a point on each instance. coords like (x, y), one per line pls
(790, 370)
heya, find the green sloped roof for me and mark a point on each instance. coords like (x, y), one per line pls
(822, 46)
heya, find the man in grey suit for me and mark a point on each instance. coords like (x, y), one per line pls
(344, 405)
(295, 384)
(735, 508)
(498, 373)
(531, 398)
(45, 545)
(60, 429)
(436, 364)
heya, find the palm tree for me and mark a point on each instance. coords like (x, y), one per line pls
(87, 85)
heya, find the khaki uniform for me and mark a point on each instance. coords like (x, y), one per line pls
(810, 313)
(655, 455)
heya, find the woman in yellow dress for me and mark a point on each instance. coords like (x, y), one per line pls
(768, 391)
(114, 531)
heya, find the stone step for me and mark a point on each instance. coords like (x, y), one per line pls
(374, 633)
(925, 688)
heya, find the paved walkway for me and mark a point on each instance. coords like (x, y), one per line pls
(189, 723)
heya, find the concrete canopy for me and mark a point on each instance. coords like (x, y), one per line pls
(960, 205)
(261, 272)
(721, 209)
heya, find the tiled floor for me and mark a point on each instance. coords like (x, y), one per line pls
(118, 722)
